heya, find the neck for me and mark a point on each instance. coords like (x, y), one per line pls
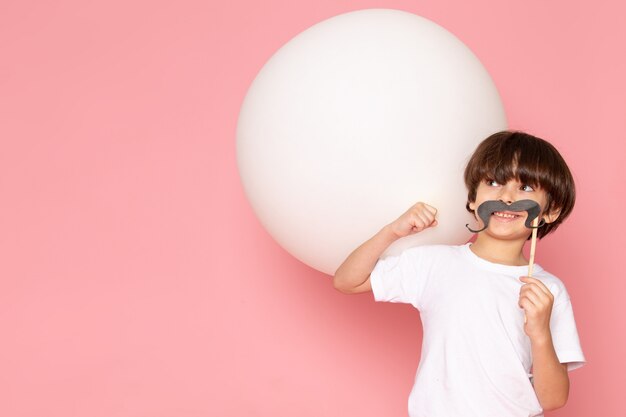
(506, 252)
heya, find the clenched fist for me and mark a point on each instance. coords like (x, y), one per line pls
(419, 217)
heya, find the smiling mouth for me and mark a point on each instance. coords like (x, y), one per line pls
(506, 215)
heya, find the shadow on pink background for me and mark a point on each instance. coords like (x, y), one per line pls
(135, 279)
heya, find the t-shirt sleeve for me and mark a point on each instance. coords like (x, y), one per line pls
(401, 278)
(564, 334)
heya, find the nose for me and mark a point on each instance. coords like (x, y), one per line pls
(506, 194)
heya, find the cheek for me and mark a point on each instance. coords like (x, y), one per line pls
(543, 202)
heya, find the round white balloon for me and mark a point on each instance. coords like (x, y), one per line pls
(356, 119)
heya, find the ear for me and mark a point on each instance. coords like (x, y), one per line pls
(552, 216)
(471, 205)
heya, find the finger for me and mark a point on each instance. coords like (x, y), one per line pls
(431, 209)
(535, 289)
(533, 280)
(430, 219)
(533, 298)
(417, 227)
(426, 218)
(525, 304)
(537, 282)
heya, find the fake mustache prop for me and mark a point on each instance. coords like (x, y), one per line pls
(486, 209)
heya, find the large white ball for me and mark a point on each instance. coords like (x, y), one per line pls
(356, 119)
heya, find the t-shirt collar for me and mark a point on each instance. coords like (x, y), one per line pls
(481, 263)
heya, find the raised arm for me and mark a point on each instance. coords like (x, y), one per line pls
(353, 276)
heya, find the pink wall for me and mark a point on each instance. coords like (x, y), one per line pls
(135, 279)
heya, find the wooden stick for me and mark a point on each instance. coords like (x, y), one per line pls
(533, 245)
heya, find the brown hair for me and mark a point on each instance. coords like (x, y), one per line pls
(517, 155)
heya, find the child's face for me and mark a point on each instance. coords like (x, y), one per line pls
(509, 225)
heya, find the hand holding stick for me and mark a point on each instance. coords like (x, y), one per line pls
(533, 246)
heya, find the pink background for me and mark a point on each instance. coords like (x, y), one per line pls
(135, 279)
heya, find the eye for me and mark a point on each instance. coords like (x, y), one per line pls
(491, 183)
(526, 187)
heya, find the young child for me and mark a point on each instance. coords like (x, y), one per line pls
(485, 323)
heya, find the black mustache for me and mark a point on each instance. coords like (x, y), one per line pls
(486, 209)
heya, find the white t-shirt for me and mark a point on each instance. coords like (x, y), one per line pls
(476, 358)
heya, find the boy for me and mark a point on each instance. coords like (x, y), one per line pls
(485, 323)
